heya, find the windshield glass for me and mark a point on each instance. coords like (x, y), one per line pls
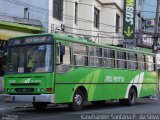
(30, 59)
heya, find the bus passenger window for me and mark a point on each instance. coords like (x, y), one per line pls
(121, 60)
(63, 53)
(109, 57)
(132, 61)
(149, 63)
(141, 62)
(80, 55)
(95, 56)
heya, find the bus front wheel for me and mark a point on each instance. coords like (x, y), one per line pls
(39, 105)
(78, 100)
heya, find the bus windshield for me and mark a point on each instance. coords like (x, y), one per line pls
(30, 59)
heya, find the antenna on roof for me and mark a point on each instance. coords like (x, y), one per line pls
(82, 37)
(70, 35)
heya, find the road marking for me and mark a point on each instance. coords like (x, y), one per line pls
(71, 113)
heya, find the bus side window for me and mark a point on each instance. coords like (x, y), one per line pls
(63, 59)
(132, 61)
(80, 55)
(121, 60)
(96, 59)
(109, 57)
(149, 63)
(141, 61)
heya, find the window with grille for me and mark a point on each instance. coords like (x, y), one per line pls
(58, 9)
(96, 17)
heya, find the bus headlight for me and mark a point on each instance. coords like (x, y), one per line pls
(42, 90)
(12, 90)
(37, 89)
(8, 90)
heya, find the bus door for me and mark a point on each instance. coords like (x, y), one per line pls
(63, 74)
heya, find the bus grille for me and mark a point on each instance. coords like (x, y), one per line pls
(24, 89)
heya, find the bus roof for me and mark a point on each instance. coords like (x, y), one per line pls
(63, 37)
(83, 41)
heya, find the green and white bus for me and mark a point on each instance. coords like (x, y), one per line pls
(58, 69)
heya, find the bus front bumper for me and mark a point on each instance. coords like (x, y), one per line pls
(50, 98)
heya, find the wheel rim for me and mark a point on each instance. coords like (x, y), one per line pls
(132, 97)
(78, 99)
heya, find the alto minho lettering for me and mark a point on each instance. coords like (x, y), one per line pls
(114, 79)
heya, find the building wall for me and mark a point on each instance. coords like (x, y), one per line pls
(55, 24)
(69, 17)
(85, 24)
(118, 2)
(109, 18)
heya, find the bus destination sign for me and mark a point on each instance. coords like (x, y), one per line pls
(35, 39)
(27, 40)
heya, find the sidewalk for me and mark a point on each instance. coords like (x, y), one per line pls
(12, 105)
(1, 97)
(158, 96)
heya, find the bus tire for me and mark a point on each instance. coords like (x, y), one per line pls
(40, 106)
(132, 95)
(102, 102)
(78, 100)
(131, 100)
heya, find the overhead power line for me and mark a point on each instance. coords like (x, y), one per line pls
(46, 13)
(103, 35)
(49, 12)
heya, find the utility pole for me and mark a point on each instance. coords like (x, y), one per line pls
(156, 24)
(157, 17)
(156, 38)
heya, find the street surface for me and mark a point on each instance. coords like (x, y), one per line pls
(145, 109)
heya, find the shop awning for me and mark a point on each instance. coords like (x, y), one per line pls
(20, 27)
(4, 37)
(7, 34)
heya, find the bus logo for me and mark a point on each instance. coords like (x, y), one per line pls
(27, 80)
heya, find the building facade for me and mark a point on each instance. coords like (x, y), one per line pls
(99, 20)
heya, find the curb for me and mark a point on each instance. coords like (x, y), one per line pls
(23, 107)
(1, 97)
(16, 107)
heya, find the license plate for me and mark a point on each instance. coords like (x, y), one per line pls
(8, 98)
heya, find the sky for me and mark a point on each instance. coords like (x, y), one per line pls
(149, 6)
